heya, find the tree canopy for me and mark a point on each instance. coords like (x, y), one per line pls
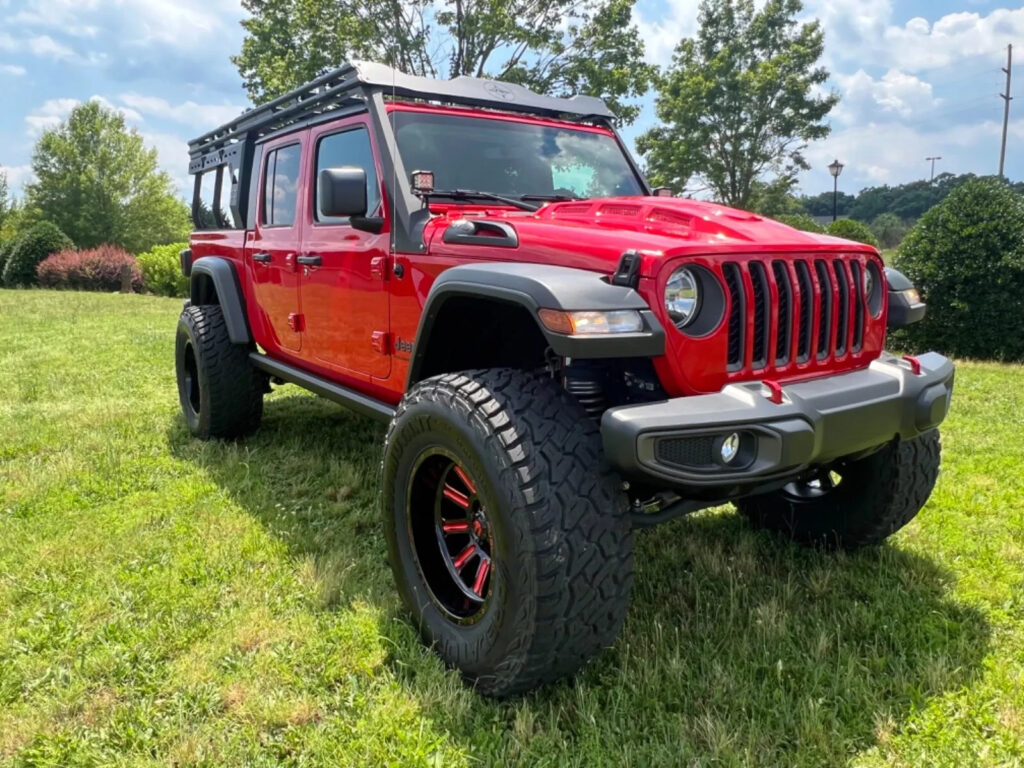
(558, 47)
(740, 100)
(99, 184)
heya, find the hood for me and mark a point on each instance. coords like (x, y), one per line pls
(593, 234)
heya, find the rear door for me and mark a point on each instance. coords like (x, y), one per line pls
(343, 290)
(277, 239)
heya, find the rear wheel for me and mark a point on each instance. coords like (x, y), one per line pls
(508, 533)
(853, 504)
(221, 393)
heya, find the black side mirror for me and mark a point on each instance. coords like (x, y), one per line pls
(342, 191)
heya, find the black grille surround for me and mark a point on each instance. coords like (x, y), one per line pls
(796, 307)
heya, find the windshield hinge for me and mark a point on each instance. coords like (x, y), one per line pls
(627, 274)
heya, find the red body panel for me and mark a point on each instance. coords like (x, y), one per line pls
(361, 320)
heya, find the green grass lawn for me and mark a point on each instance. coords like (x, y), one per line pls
(169, 602)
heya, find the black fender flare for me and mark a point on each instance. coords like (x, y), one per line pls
(543, 286)
(221, 272)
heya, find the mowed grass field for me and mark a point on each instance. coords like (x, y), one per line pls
(169, 602)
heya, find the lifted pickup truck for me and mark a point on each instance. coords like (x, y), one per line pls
(561, 354)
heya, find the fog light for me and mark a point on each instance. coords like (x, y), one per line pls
(730, 448)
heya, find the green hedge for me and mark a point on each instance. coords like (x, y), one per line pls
(30, 250)
(850, 229)
(801, 221)
(161, 270)
(966, 256)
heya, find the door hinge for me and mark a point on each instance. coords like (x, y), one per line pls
(381, 341)
(297, 322)
(379, 267)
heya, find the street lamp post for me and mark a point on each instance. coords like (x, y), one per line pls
(835, 168)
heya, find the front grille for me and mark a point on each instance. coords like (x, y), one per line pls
(819, 308)
(737, 313)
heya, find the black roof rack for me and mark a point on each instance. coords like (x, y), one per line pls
(348, 85)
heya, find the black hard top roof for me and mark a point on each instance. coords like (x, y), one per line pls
(347, 85)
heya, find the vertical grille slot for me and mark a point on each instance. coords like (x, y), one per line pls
(843, 322)
(825, 314)
(803, 344)
(784, 318)
(762, 295)
(737, 314)
(858, 305)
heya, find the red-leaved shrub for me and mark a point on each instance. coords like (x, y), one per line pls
(97, 269)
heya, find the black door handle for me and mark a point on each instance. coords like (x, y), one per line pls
(262, 258)
(308, 261)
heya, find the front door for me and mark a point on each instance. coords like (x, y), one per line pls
(344, 269)
(276, 241)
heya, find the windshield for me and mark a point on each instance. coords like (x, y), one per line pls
(513, 158)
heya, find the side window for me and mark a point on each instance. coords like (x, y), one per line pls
(204, 217)
(225, 216)
(349, 148)
(280, 186)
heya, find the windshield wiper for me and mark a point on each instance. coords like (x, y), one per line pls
(552, 198)
(466, 194)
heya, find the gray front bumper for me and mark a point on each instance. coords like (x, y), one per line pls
(678, 441)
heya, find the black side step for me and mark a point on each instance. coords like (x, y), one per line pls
(357, 402)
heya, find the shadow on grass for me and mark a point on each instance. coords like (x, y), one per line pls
(740, 648)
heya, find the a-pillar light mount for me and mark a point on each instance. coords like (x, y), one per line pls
(422, 183)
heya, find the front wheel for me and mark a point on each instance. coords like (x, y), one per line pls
(508, 533)
(853, 504)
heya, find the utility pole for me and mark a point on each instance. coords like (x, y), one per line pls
(933, 159)
(1006, 112)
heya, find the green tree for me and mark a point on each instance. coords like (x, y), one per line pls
(559, 47)
(740, 102)
(97, 181)
(775, 199)
(889, 228)
(6, 201)
(822, 205)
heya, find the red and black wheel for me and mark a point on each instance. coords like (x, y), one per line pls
(453, 542)
(508, 533)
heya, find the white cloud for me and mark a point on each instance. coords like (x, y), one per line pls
(172, 154)
(12, 69)
(17, 175)
(177, 23)
(896, 94)
(46, 46)
(957, 36)
(862, 31)
(49, 115)
(54, 111)
(188, 112)
(895, 153)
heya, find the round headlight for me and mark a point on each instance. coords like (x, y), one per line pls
(869, 282)
(682, 296)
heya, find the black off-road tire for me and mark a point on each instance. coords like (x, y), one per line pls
(876, 496)
(220, 391)
(562, 546)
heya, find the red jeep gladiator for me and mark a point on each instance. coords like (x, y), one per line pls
(561, 354)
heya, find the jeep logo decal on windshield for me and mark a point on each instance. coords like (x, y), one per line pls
(500, 91)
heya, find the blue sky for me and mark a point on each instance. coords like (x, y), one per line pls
(917, 77)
